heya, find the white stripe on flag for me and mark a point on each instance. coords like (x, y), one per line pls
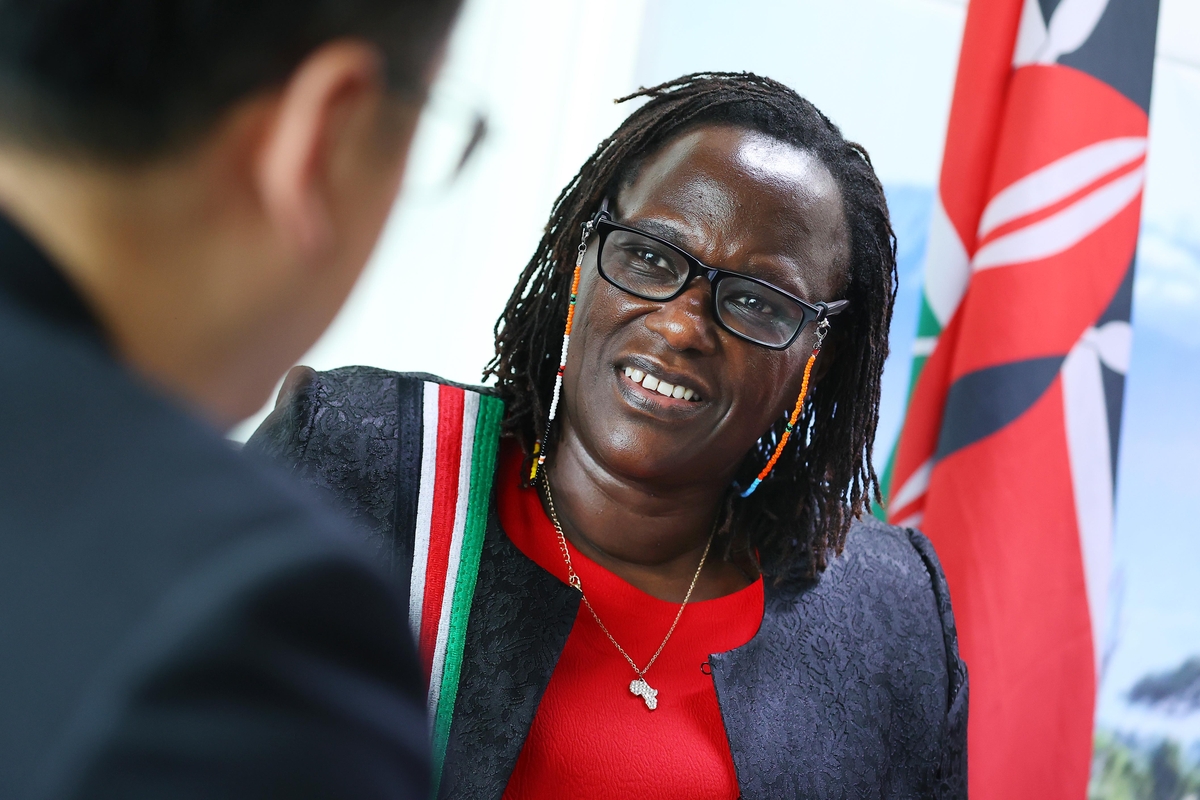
(1059, 180)
(947, 267)
(1065, 229)
(914, 487)
(1089, 452)
(923, 346)
(1070, 26)
(470, 414)
(420, 564)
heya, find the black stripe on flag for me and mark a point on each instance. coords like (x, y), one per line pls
(1114, 382)
(1120, 50)
(982, 402)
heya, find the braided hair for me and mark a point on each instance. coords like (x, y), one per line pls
(804, 509)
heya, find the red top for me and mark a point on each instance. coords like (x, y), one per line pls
(591, 737)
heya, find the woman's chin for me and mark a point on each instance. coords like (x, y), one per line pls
(634, 454)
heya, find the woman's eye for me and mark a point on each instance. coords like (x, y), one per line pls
(750, 304)
(651, 258)
(649, 263)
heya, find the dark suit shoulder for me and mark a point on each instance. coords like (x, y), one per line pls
(886, 580)
(899, 568)
(140, 551)
(858, 672)
(270, 669)
(893, 553)
(337, 431)
(897, 572)
(898, 557)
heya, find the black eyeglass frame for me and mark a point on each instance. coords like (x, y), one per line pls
(602, 224)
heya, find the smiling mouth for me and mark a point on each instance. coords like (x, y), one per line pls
(656, 384)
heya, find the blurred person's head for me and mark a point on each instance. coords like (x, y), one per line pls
(211, 176)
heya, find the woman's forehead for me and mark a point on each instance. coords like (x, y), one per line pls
(730, 189)
(729, 168)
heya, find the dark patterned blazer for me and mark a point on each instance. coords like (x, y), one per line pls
(176, 621)
(852, 687)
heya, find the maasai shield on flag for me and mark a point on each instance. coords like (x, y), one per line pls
(1008, 454)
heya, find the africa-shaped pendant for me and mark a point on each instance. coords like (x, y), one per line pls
(642, 689)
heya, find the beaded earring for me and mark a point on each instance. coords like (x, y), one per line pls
(539, 447)
(822, 330)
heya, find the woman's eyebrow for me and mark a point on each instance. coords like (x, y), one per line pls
(662, 230)
(777, 275)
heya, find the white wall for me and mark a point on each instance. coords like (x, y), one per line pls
(545, 72)
(883, 70)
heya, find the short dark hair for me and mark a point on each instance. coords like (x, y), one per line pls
(131, 79)
(804, 509)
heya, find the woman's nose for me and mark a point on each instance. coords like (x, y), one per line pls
(686, 323)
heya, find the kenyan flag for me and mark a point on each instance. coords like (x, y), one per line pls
(1008, 454)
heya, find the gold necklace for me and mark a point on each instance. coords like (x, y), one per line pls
(638, 685)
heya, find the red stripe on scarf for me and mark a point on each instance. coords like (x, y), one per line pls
(441, 528)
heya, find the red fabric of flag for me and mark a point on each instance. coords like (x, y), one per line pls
(1008, 456)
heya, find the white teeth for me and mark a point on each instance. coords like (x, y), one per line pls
(657, 385)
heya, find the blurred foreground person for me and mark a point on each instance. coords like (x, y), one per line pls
(188, 192)
(663, 582)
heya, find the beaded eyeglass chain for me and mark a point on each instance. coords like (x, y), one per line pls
(822, 330)
(539, 448)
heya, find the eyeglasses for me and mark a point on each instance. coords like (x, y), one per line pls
(453, 129)
(645, 266)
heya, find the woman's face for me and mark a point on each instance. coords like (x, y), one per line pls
(737, 200)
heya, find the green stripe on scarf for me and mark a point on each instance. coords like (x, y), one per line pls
(483, 470)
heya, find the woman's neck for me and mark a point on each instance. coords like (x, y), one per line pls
(650, 536)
